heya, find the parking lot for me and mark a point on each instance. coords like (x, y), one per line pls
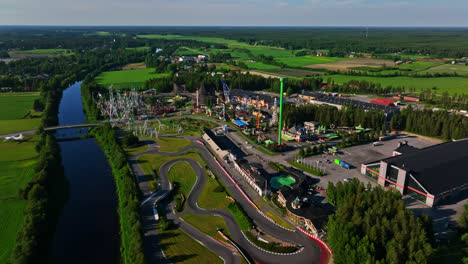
(361, 154)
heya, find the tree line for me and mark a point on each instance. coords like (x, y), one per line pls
(348, 116)
(430, 123)
(372, 225)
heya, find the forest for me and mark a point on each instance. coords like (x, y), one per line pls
(372, 225)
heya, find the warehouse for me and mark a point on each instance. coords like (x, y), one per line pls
(429, 175)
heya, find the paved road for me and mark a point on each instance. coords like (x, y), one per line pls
(310, 254)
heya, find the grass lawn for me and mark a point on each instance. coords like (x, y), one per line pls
(16, 106)
(213, 196)
(17, 161)
(18, 125)
(191, 126)
(181, 248)
(208, 224)
(308, 60)
(141, 147)
(168, 144)
(184, 176)
(260, 66)
(128, 76)
(279, 220)
(450, 84)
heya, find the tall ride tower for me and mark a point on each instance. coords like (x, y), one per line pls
(280, 111)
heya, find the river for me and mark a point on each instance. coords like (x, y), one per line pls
(88, 227)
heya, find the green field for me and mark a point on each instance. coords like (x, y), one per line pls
(17, 166)
(137, 77)
(260, 66)
(292, 73)
(15, 106)
(269, 51)
(191, 127)
(208, 224)
(308, 60)
(213, 196)
(419, 65)
(41, 51)
(184, 175)
(181, 248)
(450, 68)
(142, 48)
(196, 38)
(168, 144)
(450, 84)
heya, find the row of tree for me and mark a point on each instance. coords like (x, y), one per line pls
(439, 124)
(348, 116)
(372, 225)
(129, 203)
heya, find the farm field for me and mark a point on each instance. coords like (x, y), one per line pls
(41, 51)
(308, 60)
(142, 48)
(14, 115)
(341, 65)
(131, 77)
(134, 66)
(419, 65)
(449, 68)
(260, 66)
(17, 161)
(444, 84)
(293, 73)
(16, 105)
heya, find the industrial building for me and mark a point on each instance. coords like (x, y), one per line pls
(332, 100)
(429, 174)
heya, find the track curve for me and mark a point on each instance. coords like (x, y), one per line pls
(311, 252)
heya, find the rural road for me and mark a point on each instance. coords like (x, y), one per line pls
(310, 254)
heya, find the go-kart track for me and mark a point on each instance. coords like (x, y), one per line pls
(312, 250)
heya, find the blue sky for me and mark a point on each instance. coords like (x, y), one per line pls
(370, 13)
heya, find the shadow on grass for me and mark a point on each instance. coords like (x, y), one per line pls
(181, 258)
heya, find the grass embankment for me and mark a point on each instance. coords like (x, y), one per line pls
(16, 113)
(183, 178)
(168, 144)
(141, 147)
(181, 248)
(17, 161)
(131, 77)
(307, 169)
(279, 220)
(208, 224)
(150, 164)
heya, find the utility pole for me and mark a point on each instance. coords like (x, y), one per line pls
(280, 111)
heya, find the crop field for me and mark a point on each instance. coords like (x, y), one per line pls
(260, 66)
(134, 66)
(342, 65)
(16, 105)
(450, 84)
(41, 51)
(142, 48)
(14, 116)
(450, 68)
(308, 60)
(17, 162)
(136, 77)
(270, 51)
(293, 73)
(419, 65)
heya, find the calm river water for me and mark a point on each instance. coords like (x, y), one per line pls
(87, 230)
